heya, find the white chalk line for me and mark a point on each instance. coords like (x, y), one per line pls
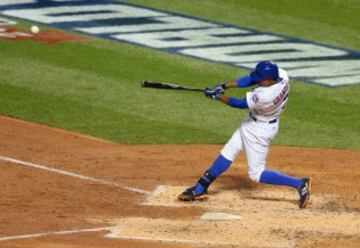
(74, 175)
(64, 232)
(99, 181)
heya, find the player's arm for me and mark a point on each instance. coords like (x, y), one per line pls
(242, 82)
(234, 102)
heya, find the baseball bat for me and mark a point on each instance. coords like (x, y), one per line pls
(168, 86)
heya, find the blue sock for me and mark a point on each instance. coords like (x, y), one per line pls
(220, 165)
(277, 178)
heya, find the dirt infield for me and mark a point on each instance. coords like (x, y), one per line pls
(65, 190)
(49, 37)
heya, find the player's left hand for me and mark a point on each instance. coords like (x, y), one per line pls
(213, 93)
(221, 86)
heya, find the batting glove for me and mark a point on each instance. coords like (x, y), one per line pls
(221, 87)
(213, 93)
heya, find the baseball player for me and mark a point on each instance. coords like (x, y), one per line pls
(266, 102)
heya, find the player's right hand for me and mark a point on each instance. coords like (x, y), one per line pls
(213, 93)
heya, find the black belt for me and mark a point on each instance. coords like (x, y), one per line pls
(270, 122)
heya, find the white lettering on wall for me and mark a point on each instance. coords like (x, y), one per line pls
(192, 37)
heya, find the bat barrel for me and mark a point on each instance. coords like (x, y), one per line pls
(169, 86)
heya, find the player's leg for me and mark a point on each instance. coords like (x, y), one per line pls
(277, 178)
(302, 185)
(257, 138)
(220, 165)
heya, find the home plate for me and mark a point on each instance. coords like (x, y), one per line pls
(219, 216)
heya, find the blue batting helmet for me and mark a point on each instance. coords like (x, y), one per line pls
(265, 70)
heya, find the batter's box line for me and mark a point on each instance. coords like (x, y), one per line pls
(74, 175)
(63, 232)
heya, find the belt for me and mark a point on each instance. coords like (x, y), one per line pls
(270, 122)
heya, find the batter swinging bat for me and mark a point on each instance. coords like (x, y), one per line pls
(168, 86)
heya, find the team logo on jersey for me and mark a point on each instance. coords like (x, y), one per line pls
(255, 98)
(189, 36)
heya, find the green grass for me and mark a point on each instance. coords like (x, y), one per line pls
(93, 87)
(95, 91)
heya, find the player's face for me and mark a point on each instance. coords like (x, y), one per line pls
(266, 82)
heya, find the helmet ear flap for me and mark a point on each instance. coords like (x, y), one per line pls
(255, 76)
(275, 74)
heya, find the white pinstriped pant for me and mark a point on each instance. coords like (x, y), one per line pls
(254, 137)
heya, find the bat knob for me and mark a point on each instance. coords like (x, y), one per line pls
(143, 83)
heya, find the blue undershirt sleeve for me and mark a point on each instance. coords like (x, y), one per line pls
(238, 103)
(244, 82)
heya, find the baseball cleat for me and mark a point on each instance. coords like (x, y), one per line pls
(190, 195)
(304, 192)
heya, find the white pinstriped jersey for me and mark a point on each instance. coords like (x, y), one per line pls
(267, 103)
